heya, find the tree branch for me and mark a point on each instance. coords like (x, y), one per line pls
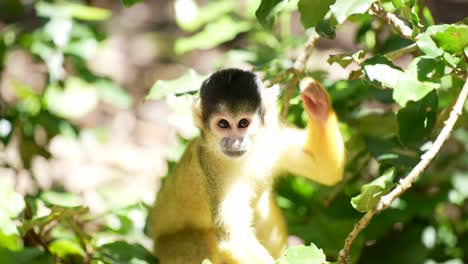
(393, 21)
(297, 69)
(405, 183)
(400, 52)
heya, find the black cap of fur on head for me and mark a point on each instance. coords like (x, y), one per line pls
(236, 89)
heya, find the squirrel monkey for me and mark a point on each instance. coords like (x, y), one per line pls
(218, 202)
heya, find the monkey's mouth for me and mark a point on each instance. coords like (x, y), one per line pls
(234, 153)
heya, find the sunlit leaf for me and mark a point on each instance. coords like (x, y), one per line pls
(84, 48)
(312, 11)
(70, 9)
(303, 254)
(212, 35)
(411, 86)
(189, 82)
(428, 46)
(398, 3)
(342, 9)
(181, 116)
(64, 248)
(11, 202)
(267, 11)
(59, 30)
(417, 119)
(380, 70)
(371, 192)
(9, 235)
(75, 100)
(190, 17)
(460, 183)
(451, 38)
(62, 199)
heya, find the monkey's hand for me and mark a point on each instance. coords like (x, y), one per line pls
(322, 156)
(316, 100)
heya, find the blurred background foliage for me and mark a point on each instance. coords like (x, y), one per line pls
(95, 108)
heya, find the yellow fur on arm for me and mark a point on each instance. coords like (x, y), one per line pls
(325, 144)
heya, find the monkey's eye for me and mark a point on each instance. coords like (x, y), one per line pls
(243, 123)
(223, 123)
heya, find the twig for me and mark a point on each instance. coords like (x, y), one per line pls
(297, 69)
(288, 94)
(400, 52)
(393, 21)
(405, 183)
(301, 60)
(280, 77)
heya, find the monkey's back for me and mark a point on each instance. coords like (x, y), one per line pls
(182, 202)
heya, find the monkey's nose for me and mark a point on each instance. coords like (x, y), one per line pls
(236, 143)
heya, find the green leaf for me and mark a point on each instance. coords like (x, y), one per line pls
(61, 199)
(77, 99)
(371, 192)
(417, 119)
(189, 82)
(345, 59)
(326, 28)
(64, 248)
(267, 10)
(68, 9)
(9, 235)
(342, 9)
(381, 71)
(59, 30)
(312, 11)
(11, 202)
(428, 46)
(451, 38)
(26, 256)
(451, 60)
(410, 3)
(378, 125)
(412, 85)
(398, 3)
(190, 17)
(112, 94)
(129, 3)
(124, 252)
(212, 35)
(303, 254)
(83, 48)
(460, 183)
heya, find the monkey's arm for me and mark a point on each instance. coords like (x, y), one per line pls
(317, 152)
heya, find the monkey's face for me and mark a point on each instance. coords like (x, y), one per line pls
(234, 133)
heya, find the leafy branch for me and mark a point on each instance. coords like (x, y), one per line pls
(296, 70)
(405, 183)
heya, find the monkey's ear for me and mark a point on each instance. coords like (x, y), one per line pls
(197, 112)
